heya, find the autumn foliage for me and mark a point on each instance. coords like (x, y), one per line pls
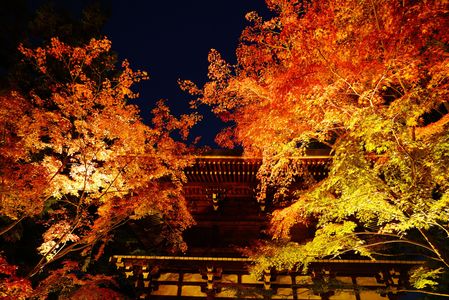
(76, 157)
(366, 80)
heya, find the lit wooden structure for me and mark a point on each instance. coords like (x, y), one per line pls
(221, 197)
(220, 278)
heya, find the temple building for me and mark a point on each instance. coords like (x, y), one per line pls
(221, 197)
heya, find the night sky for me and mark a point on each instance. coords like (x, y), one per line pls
(171, 40)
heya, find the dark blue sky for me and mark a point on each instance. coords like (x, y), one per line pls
(171, 40)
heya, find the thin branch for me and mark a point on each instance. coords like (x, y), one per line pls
(78, 246)
(435, 250)
(396, 90)
(9, 227)
(423, 292)
(401, 83)
(376, 88)
(336, 74)
(441, 227)
(400, 240)
(42, 262)
(106, 190)
(387, 242)
(405, 254)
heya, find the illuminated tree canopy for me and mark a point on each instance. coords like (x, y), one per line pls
(76, 158)
(367, 80)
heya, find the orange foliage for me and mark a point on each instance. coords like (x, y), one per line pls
(71, 283)
(333, 74)
(77, 154)
(308, 69)
(12, 286)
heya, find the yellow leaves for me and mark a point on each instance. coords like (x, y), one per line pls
(330, 241)
(408, 72)
(103, 155)
(423, 277)
(283, 220)
(365, 78)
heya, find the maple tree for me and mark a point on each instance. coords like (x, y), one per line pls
(76, 158)
(368, 81)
